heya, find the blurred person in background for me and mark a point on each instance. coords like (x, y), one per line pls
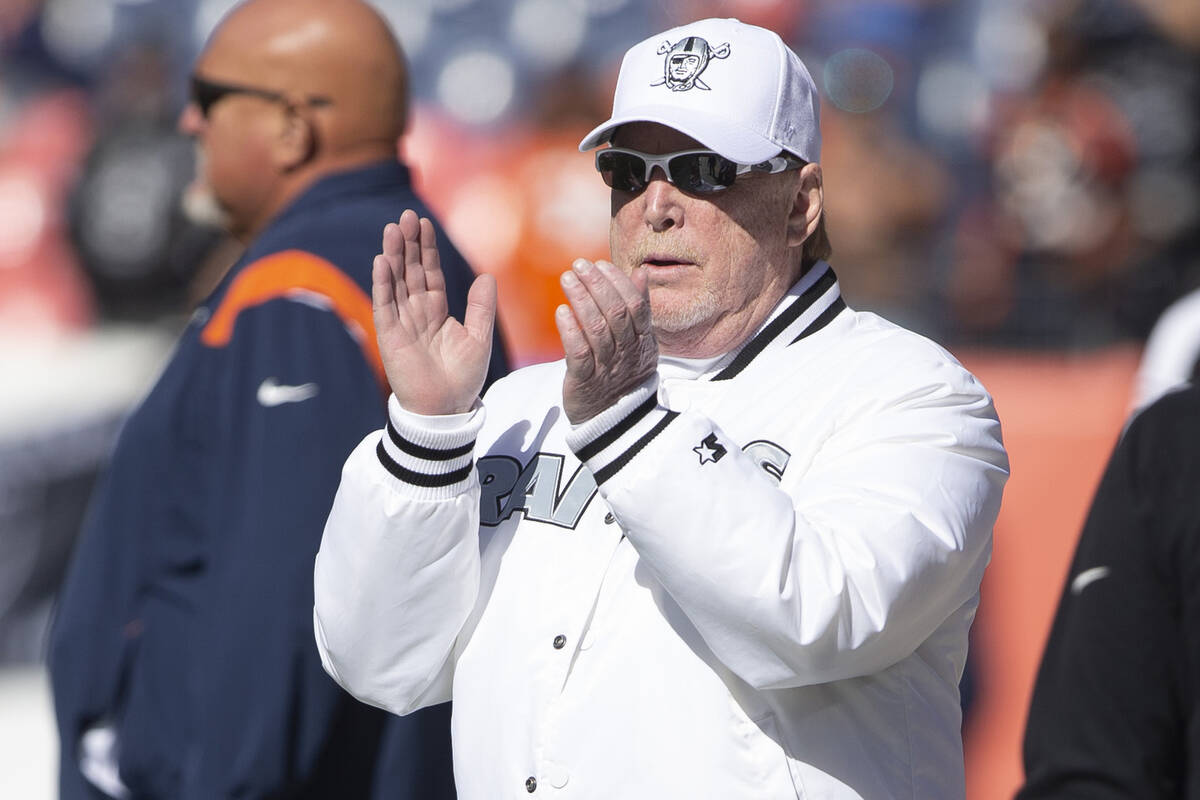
(1172, 355)
(58, 415)
(145, 254)
(181, 656)
(892, 188)
(1089, 222)
(1114, 707)
(731, 545)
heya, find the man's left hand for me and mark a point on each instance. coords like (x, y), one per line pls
(606, 334)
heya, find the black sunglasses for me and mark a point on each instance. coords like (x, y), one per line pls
(206, 93)
(694, 171)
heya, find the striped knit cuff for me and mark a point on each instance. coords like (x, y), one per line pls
(609, 440)
(430, 457)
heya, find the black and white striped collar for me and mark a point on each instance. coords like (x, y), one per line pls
(808, 307)
(611, 439)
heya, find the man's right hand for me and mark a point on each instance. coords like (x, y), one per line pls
(434, 364)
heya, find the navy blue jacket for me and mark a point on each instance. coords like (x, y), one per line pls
(186, 617)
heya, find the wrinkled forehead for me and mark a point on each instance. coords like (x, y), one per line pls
(652, 137)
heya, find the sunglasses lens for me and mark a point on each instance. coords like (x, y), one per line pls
(703, 173)
(624, 172)
(695, 173)
(204, 94)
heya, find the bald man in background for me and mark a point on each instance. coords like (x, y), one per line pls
(181, 658)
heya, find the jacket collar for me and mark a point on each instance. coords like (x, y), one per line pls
(381, 176)
(378, 176)
(808, 307)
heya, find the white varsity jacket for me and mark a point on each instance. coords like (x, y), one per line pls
(756, 582)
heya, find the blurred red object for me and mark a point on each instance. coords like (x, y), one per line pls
(520, 205)
(42, 289)
(1063, 159)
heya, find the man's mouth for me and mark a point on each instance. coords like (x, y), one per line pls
(664, 261)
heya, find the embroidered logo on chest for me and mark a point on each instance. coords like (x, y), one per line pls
(710, 450)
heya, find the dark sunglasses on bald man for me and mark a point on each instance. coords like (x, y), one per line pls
(694, 171)
(206, 93)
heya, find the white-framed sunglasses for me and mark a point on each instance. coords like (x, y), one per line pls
(694, 171)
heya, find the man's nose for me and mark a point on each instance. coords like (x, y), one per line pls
(191, 121)
(662, 206)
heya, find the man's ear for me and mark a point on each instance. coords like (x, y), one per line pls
(297, 140)
(807, 205)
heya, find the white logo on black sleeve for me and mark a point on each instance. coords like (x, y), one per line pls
(709, 449)
(685, 60)
(272, 393)
(1087, 578)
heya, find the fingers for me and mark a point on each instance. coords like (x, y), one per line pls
(392, 252)
(411, 251)
(635, 291)
(414, 270)
(393, 241)
(480, 315)
(430, 259)
(606, 335)
(383, 294)
(611, 310)
(628, 303)
(387, 278)
(580, 359)
(586, 310)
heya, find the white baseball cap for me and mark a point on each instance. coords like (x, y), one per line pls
(735, 88)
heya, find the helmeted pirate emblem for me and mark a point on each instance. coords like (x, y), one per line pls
(685, 60)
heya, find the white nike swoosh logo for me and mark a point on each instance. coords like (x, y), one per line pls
(1087, 578)
(272, 393)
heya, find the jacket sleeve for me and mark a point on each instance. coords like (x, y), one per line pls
(398, 571)
(1110, 705)
(295, 393)
(840, 570)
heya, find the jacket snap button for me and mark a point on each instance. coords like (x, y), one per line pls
(557, 775)
(559, 641)
(531, 784)
(609, 519)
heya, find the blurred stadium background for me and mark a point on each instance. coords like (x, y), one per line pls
(1016, 178)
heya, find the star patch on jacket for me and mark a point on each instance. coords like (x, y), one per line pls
(709, 449)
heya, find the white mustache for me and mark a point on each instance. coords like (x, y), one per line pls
(659, 251)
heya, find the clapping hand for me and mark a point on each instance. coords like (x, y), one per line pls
(434, 364)
(609, 345)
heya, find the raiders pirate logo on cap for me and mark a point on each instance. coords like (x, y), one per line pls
(685, 60)
(758, 101)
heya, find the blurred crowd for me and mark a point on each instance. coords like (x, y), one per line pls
(1000, 173)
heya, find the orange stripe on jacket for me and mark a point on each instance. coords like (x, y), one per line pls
(290, 273)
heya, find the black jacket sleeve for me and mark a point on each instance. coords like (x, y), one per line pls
(1114, 698)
